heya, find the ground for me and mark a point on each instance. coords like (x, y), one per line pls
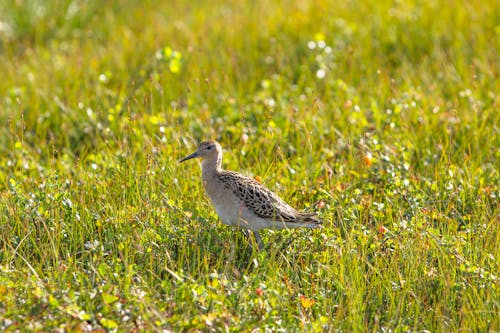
(382, 116)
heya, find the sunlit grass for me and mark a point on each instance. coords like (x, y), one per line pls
(381, 116)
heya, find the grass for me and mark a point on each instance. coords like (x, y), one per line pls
(380, 115)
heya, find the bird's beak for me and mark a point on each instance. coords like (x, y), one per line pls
(193, 155)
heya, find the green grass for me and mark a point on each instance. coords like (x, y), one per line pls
(396, 147)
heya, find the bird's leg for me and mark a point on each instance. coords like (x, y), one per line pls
(246, 232)
(258, 239)
(256, 235)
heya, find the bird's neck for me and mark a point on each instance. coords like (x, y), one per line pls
(210, 168)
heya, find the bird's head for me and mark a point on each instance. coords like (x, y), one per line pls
(207, 150)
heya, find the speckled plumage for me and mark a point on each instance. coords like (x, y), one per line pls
(242, 201)
(261, 201)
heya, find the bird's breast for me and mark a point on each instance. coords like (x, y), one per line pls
(227, 205)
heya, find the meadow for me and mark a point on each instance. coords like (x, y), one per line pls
(382, 116)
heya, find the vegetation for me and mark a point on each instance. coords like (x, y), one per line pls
(380, 115)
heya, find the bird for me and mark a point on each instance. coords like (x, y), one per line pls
(243, 202)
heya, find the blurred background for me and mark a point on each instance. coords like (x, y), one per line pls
(380, 115)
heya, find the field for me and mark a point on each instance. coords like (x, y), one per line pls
(382, 116)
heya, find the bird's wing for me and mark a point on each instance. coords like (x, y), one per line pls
(263, 202)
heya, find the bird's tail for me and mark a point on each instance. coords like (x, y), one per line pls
(311, 220)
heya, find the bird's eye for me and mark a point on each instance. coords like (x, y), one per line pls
(209, 147)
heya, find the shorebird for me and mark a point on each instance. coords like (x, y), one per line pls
(243, 202)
